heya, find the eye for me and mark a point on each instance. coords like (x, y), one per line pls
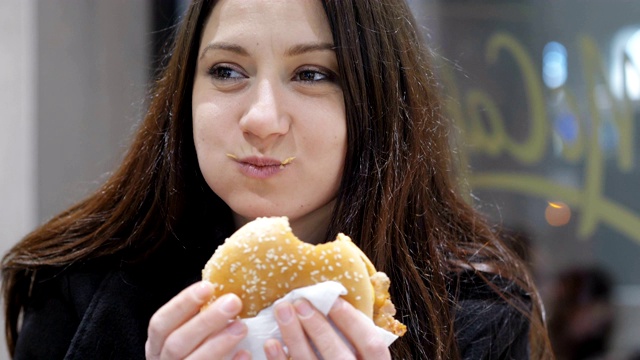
(313, 75)
(225, 72)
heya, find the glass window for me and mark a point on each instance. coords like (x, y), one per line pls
(546, 95)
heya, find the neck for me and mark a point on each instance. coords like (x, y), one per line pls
(312, 228)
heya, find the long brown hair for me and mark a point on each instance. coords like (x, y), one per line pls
(397, 199)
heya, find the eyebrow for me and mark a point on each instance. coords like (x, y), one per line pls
(226, 47)
(292, 51)
(310, 47)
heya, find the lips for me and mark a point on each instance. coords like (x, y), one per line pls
(260, 161)
(260, 167)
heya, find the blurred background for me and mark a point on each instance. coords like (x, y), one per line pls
(545, 95)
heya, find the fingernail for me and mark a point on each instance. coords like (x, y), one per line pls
(284, 313)
(242, 355)
(272, 349)
(230, 304)
(203, 290)
(303, 308)
(236, 328)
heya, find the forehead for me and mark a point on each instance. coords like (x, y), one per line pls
(301, 20)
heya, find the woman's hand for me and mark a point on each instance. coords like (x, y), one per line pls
(178, 330)
(301, 324)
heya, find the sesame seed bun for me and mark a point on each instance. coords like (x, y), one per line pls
(263, 261)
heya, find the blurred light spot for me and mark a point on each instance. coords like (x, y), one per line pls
(555, 205)
(566, 125)
(557, 213)
(554, 65)
(608, 136)
(632, 66)
(625, 63)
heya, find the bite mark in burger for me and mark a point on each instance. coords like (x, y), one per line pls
(263, 261)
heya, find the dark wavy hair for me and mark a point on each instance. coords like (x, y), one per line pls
(397, 198)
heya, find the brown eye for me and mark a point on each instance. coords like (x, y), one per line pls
(311, 76)
(224, 72)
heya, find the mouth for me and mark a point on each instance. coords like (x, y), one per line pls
(260, 167)
(262, 161)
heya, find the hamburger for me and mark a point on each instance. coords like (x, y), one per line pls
(263, 261)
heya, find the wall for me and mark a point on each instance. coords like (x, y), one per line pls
(17, 124)
(73, 77)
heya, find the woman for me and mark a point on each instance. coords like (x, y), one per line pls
(325, 112)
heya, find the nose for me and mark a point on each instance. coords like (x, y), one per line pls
(265, 121)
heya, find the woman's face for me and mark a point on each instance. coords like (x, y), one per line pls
(268, 112)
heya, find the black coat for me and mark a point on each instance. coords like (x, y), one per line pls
(95, 312)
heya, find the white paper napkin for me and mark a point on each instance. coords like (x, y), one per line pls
(264, 326)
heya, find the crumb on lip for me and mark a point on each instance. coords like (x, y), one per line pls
(288, 161)
(232, 156)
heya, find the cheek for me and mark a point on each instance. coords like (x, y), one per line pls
(207, 121)
(199, 132)
(204, 133)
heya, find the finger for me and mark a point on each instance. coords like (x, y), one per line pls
(293, 335)
(222, 343)
(242, 355)
(210, 322)
(274, 350)
(359, 330)
(325, 338)
(173, 314)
